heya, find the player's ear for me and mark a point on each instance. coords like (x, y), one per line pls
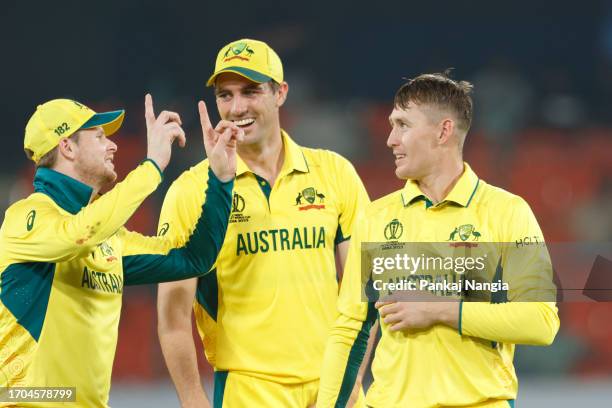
(447, 127)
(67, 148)
(281, 94)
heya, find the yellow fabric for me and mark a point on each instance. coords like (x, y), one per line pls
(439, 366)
(56, 119)
(276, 274)
(246, 391)
(77, 342)
(246, 55)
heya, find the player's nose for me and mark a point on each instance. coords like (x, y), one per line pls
(111, 146)
(238, 107)
(392, 140)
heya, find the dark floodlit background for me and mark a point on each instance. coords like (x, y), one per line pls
(542, 72)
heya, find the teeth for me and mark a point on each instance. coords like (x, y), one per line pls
(244, 122)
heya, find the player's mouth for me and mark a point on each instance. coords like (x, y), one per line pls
(244, 123)
(398, 157)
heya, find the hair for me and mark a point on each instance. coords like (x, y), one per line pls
(50, 158)
(440, 91)
(274, 86)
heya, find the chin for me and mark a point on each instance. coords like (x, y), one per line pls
(401, 174)
(110, 177)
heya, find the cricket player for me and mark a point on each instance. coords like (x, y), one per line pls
(437, 353)
(265, 312)
(65, 255)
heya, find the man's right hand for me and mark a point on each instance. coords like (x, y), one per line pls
(161, 132)
(220, 144)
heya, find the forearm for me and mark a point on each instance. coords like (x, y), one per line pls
(180, 355)
(207, 238)
(102, 218)
(534, 323)
(197, 256)
(344, 353)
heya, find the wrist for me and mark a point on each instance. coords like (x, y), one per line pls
(156, 165)
(448, 313)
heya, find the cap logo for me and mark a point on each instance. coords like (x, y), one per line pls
(240, 50)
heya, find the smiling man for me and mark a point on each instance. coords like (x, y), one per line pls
(265, 313)
(65, 255)
(442, 353)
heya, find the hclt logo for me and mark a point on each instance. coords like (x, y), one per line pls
(465, 232)
(237, 51)
(310, 195)
(394, 230)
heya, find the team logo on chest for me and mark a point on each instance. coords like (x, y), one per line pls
(307, 199)
(107, 251)
(464, 232)
(238, 207)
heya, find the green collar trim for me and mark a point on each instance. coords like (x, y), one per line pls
(68, 193)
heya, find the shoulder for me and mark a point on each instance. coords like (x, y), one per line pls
(390, 202)
(497, 199)
(191, 180)
(322, 158)
(24, 214)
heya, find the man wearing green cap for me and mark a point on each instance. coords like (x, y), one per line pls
(265, 312)
(65, 255)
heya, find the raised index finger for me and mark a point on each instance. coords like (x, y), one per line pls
(149, 113)
(207, 128)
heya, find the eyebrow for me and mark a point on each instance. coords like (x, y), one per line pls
(249, 87)
(398, 119)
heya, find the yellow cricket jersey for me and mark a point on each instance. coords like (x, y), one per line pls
(63, 266)
(439, 366)
(268, 308)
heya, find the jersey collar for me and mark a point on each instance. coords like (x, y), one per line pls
(462, 193)
(294, 158)
(68, 193)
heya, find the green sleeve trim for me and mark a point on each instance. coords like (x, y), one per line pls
(460, 317)
(355, 358)
(200, 252)
(161, 173)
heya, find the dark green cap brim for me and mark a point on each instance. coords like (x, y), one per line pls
(245, 72)
(109, 121)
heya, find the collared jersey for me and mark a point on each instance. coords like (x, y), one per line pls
(268, 309)
(63, 266)
(439, 366)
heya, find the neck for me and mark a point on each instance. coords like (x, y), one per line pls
(68, 170)
(439, 182)
(264, 159)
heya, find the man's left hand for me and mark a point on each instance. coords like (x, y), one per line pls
(418, 315)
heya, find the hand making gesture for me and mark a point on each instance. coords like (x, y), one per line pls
(220, 144)
(161, 132)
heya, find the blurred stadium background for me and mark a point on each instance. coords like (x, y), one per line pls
(543, 125)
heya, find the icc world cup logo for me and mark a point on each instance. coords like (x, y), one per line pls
(237, 203)
(394, 230)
